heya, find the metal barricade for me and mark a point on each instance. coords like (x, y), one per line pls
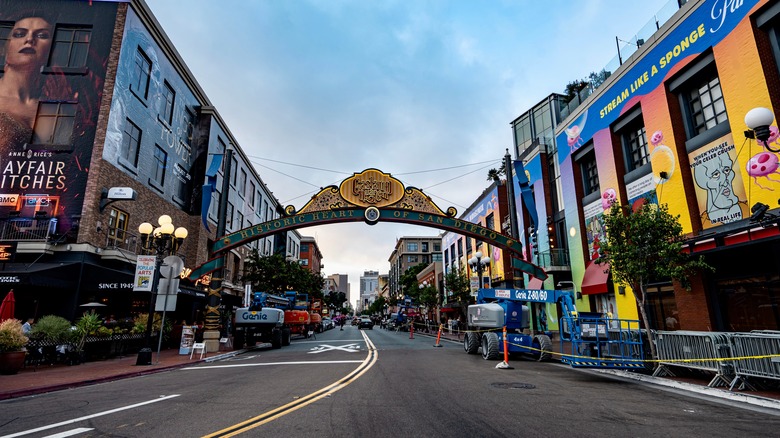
(602, 343)
(756, 354)
(706, 351)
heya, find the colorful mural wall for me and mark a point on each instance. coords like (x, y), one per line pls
(56, 51)
(728, 174)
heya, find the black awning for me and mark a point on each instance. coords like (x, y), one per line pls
(38, 274)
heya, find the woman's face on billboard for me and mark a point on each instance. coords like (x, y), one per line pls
(29, 43)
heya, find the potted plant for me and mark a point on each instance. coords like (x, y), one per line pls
(87, 325)
(12, 342)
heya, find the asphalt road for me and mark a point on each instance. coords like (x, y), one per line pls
(375, 383)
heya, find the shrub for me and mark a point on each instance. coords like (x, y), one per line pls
(52, 328)
(11, 336)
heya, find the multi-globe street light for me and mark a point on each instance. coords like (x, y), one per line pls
(478, 264)
(163, 241)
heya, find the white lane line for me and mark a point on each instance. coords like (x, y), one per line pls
(329, 340)
(68, 433)
(88, 417)
(309, 362)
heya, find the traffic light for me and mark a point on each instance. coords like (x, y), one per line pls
(533, 240)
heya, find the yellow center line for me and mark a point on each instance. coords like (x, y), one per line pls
(281, 411)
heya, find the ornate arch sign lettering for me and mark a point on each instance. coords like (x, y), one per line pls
(370, 196)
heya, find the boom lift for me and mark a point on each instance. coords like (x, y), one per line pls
(592, 340)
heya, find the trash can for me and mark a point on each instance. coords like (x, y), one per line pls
(144, 356)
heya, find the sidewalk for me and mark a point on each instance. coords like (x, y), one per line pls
(47, 378)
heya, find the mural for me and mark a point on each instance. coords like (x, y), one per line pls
(719, 188)
(54, 62)
(163, 109)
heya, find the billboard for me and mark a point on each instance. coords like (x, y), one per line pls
(53, 56)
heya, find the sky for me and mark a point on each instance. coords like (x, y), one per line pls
(316, 90)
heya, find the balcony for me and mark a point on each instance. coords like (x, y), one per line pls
(28, 229)
(554, 260)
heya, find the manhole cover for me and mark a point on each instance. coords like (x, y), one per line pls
(513, 385)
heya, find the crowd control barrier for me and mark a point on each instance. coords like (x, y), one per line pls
(706, 351)
(756, 354)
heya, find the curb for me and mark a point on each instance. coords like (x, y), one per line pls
(709, 392)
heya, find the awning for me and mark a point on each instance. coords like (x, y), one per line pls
(595, 279)
(535, 283)
(38, 274)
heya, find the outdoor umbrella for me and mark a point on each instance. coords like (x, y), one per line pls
(7, 306)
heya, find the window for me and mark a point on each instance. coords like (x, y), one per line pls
(117, 228)
(131, 143)
(259, 205)
(70, 46)
(222, 148)
(630, 129)
(229, 216)
(166, 103)
(142, 71)
(590, 176)
(489, 222)
(437, 247)
(705, 107)
(160, 164)
(242, 184)
(54, 123)
(267, 211)
(411, 258)
(239, 219)
(425, 247)
(214, 205)
(436, 257)
(189, 122)
(5, 35)
(252, 194)
(411, 246)
(304, 247)
(233, 172)
(523, 134)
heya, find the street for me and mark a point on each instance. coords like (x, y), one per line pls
(337, 386)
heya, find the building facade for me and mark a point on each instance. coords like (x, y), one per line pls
(311, 257)
(411, 251)
(668, 127)
(117, 111)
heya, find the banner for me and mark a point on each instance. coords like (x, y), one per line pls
(144, 273)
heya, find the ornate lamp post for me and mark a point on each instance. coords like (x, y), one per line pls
(478, 264)
(162, 241)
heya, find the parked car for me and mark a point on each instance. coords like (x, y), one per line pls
(328, 323)
(365, 322)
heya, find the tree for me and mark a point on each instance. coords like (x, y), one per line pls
(459, 286)
(645, 246)
(495, 174)
(377, 307)
(408, 281)
(276, 275)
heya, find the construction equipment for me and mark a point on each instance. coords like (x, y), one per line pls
(587, 340)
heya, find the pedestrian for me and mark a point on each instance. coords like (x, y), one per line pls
(27, 326)
(342, 321)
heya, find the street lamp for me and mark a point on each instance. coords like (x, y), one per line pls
(478, 264)
(758, 120)
(162, 241)
(573, 288)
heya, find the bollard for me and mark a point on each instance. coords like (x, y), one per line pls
(438, 336)
(505, 364)
(411, 330)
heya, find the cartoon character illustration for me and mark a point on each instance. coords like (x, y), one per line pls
(661, 159)
(716, 177)
(763, 165)
(574, 131)
(608, 198)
